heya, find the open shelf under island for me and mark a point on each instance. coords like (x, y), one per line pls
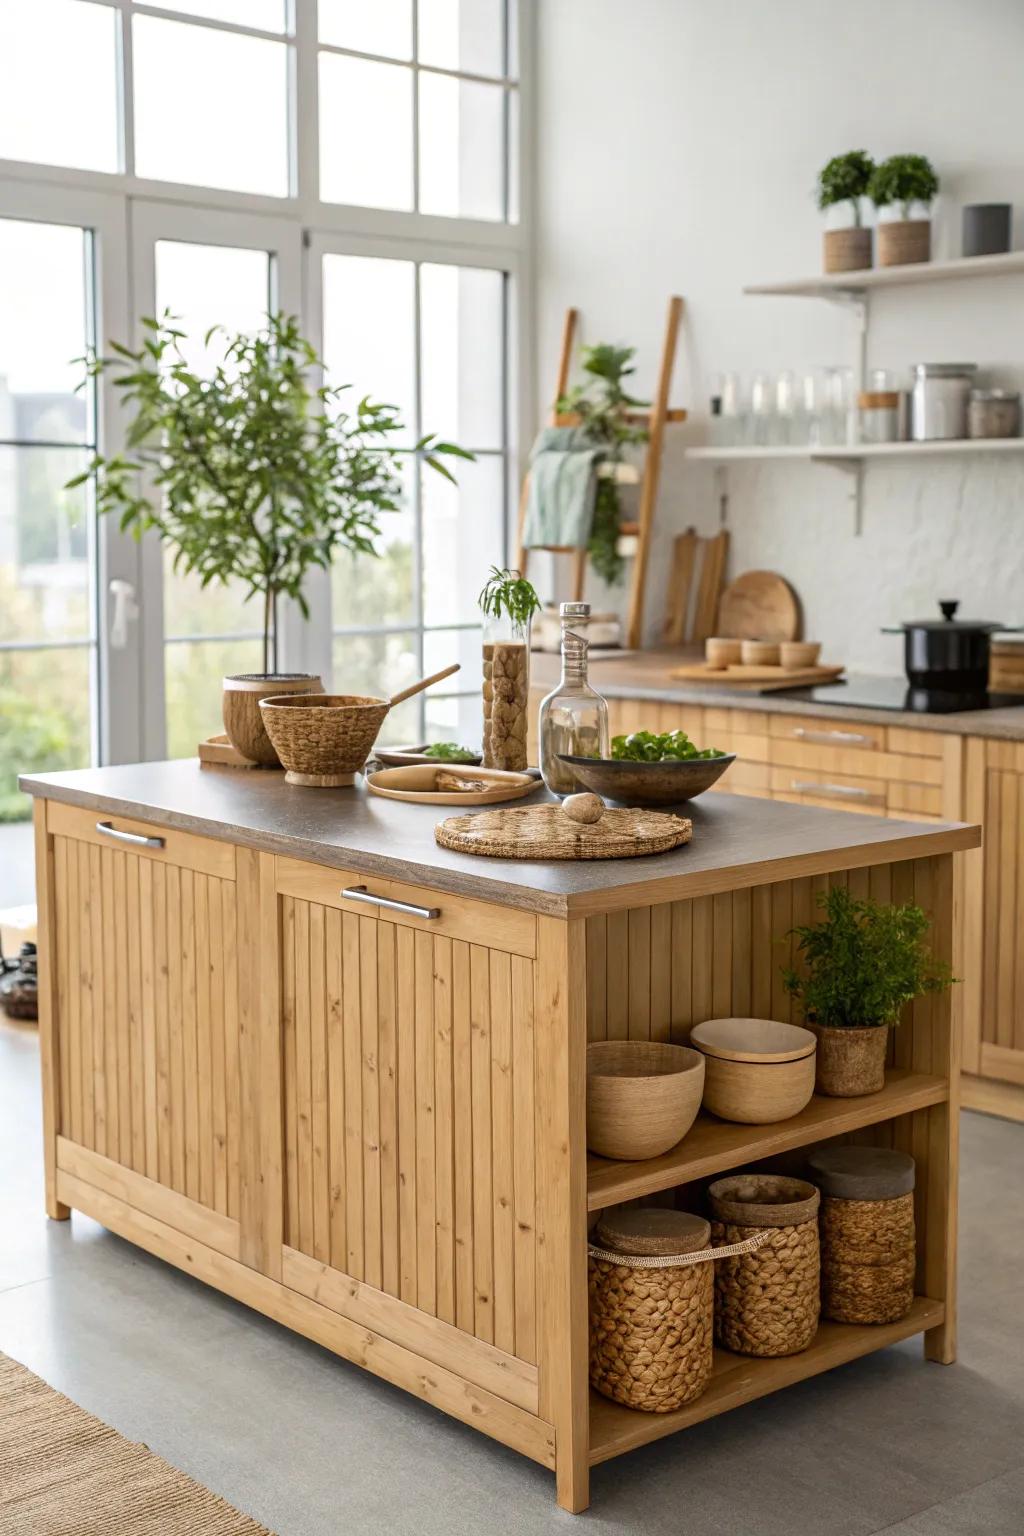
(368, 1122)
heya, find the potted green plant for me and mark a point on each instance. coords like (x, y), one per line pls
(250, 474)
(508, 603)
(842, 188)
(860, 966)
(902, 189)
(603, 407)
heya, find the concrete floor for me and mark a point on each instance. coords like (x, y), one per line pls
(313, 1447)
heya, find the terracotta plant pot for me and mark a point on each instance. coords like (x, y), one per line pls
(847, 250)
(851, 1061)
(241, 705)
(904, 241)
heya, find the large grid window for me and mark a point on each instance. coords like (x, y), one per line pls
(353, 163)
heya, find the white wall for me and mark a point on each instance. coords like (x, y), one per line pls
(678, 145)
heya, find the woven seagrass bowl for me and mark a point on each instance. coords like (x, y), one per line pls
(323, 739)
(642, 1096)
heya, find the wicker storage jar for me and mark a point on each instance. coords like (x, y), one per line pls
(650, 1318)
(868, 1248)
(767, 1302)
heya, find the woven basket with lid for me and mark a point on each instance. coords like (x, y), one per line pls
(767, 1302)
(868, 1244)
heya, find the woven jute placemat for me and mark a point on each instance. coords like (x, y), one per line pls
(61, 1470)
(546, 832)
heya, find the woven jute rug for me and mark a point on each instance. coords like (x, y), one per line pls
(65, 1473)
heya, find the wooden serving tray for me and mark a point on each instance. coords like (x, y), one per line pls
(756, 679)
(417, 782)
(546, 832)
(217, 751)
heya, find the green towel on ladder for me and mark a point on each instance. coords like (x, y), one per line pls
(560, 504)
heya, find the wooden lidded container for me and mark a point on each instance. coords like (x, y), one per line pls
(767, 1303)
(650, 1308)
(868, 1247)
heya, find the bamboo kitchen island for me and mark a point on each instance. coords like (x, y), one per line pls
(294, 1048)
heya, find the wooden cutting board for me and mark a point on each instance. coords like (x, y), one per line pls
(759, 605)
(756, 679)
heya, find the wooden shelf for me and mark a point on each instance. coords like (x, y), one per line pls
(738, 1379)
(712, 1146)
(857, 451)
(833, 284)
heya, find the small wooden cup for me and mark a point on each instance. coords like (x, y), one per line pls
(760, 653)
(795, 654)
(719, 652)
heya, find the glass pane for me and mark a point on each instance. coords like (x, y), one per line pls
(461, 148)
(58, 83)
(463, 34)
(365, 590)
(462, 327)
(384, 27)
(380, 665)
(458, 718)
(45, 587)
(365, 132)
(443, 646)
(463, 531)
(211, 108)
(193, 679)
(43, 325)
(265, 15)
(44, 720)
(369, 331)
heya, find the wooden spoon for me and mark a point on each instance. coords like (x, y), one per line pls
(424, 682)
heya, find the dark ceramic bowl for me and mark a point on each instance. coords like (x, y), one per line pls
(648, 783)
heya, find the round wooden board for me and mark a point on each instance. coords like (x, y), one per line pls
(415, 781)
(759, 605)
(546, 832)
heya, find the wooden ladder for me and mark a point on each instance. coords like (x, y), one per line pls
(654, 418)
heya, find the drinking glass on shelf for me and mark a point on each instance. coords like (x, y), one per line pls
(838, 422)
(760, 430)
(731, 415)
(810, 408)
(784, 424)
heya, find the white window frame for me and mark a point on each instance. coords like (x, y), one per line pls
(127, 210)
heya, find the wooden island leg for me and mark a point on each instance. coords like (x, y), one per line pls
(49, 1050)
(941, 1049)
(561, 1043)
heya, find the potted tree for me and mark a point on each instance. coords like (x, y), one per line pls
(842, 188)
(508, 603)
(902, 189)
(250, 473)
(861, 964)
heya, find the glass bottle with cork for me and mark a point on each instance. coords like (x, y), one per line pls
(573, 717)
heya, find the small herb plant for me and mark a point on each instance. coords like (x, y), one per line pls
(863, 962)
(671, 747)
(509, 593)
(903, 179)
(845, 179)
(603, 406)
(450, 752)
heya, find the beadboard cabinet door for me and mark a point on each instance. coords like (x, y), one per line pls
(993, 911)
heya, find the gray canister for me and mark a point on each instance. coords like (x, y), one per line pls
(986, 229)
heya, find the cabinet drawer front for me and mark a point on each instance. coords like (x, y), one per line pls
(827, 732)
(458, 917)
(918, 799)
(165, 844)
(844, 791)
(745, 778)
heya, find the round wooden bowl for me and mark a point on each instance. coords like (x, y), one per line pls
(642, 1096)
(757, 1070)
(323, 739)
(795, 654)
(241, 709)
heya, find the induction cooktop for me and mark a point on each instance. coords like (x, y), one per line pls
(894, 693)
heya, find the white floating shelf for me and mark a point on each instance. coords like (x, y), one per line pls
(858, 451)
(829, 285)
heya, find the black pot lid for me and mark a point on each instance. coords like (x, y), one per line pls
(949, 621)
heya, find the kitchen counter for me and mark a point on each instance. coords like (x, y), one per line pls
(363, 1114)
(646, 675)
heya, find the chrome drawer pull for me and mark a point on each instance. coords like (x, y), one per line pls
(850, 738)
(838, 791)
(360, 893)
(136, 838)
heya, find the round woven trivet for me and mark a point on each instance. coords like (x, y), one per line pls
(868, 1259)
(546, 832)
(766, 1303)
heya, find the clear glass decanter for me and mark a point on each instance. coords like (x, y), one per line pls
(573, 717)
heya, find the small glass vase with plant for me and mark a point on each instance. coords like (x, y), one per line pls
(841, 194)
(604, 410)
(902, 188)
(860, 966)
(508, 603)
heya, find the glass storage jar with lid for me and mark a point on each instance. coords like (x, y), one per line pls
(573, 717)
(938, 401)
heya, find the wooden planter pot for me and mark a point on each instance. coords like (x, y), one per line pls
(241, 706)
(850, 1062)
(904, 242)
(847, 250)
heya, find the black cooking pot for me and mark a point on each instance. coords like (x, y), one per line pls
(948, 655)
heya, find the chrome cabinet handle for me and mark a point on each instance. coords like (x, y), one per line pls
(360, 893)
(109, 830)
(837, 791)
(851, 738)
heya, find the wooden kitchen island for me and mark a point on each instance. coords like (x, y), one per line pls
(296, 1049)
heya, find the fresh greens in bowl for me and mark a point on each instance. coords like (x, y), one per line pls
(668, 747)
(450, 752)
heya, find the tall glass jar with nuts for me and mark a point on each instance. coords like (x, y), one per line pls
(506, 691)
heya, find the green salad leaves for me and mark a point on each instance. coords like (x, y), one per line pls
(670, 747)
(450, 752)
